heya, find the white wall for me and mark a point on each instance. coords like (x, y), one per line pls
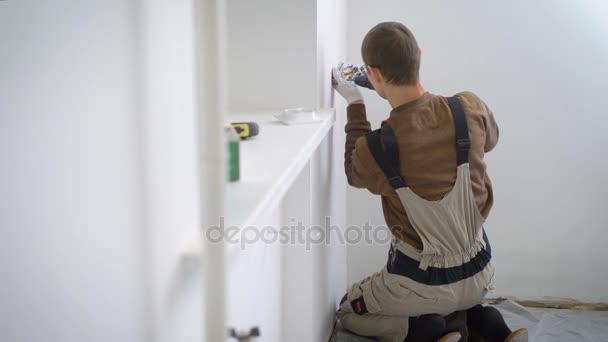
(98, 172)
(543, 68)
(271, 45)
(71, 252)
(174, 211)
(280, 56)
(329, 192)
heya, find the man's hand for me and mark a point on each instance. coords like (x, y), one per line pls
(349, 90)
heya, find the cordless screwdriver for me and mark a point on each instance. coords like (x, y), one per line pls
(355, 74)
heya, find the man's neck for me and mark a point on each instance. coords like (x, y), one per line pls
(400, 95)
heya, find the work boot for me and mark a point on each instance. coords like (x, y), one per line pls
(488, 323)
(426, 328)
(457, 322)
(451, 337)
(520, 335)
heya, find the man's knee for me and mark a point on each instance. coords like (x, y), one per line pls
(343, 299)
(374, 325)
(345, 305)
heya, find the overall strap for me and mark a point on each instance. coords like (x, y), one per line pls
(386, 157)
(463, 143)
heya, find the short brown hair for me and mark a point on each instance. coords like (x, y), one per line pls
(392, 48)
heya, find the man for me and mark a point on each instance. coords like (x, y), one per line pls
(427, 163)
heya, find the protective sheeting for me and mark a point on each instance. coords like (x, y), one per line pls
(552, 325)
(544, 325)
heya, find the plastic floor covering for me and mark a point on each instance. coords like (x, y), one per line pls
(544, 325)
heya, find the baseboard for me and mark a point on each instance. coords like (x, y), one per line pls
(553, 303)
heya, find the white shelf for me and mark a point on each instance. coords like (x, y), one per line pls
(270, 163)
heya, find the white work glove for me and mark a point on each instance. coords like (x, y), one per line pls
(349, 90)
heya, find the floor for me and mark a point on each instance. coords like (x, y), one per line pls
(548, 325)
(545, 325)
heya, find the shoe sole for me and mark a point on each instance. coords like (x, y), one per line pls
(520, 335)
(451, 337)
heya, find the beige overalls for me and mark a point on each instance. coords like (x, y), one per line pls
(452, 272)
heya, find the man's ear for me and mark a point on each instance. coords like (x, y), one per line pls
(375, 74)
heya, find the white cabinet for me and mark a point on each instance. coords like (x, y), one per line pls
(280, 55)
(274, 280)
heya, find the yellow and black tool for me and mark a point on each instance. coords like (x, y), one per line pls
(246, 130)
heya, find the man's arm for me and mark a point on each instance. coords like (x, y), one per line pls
(361, 169)
(357, 127)
(492, 132)
(476, 105)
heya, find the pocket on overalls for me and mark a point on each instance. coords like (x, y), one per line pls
(421, 304)
(362, 300)
(490, 286)
(410, 302)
